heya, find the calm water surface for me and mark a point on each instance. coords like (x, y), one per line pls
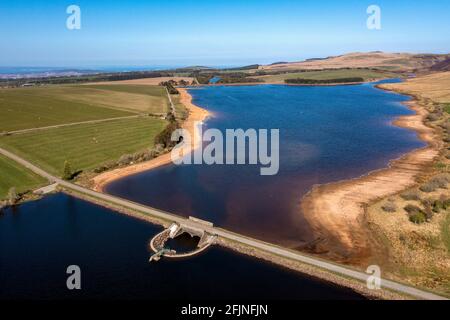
(39, 240)
(326, 134)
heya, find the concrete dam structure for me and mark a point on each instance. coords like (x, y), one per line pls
(158, 242)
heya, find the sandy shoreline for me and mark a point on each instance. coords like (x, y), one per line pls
(196, 114)
(336, 211)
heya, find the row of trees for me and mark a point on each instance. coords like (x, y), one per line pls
(170, 85)
(327, 81)
(85, 78)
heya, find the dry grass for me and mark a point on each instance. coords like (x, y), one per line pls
(418, 253)
(419, 250)
(435, 87)
(388, 61)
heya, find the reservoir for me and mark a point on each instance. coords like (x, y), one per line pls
(40, 239)
(327, 134)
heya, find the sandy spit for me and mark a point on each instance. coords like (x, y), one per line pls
(336, 211)
(196, 114)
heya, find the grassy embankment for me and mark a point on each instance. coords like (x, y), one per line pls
(12, 174)
(85, 146)
(415, 225)
(365, 74)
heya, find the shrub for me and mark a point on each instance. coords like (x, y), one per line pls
(67, 171)
(170, 117)
(440, 181)
(13, 197)
(412, 208)
(428, 205)
(389, 207)
(443, 203)
(415, 214)
(428, 187)
(411, 195)
(417, 217)
(170, 86)
(125, 159)
(164, 138)
(434, 116)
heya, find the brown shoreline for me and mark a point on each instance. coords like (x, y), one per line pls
(196, 114)
(336, 211)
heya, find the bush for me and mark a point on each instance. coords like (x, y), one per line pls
(415, 214)
(125, 159)
(164, 138)
(389, 207)
(13, 197)
(442, 203)
(428, 205)
(68, 173)
(411, 195)
(440, 181)
(434, 116)
(170, 86)
(428, 187)
(417, 217)
(444, 177)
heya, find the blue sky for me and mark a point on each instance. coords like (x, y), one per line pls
(214, 32)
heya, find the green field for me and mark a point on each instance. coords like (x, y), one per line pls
(327, 75)
(25, 108)
(86, 146)
(134, 97)
(180, 109)
(38, 107)
(447, 107)
(14, 175)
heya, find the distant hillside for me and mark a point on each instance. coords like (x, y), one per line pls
(380, 60)
(441, 66)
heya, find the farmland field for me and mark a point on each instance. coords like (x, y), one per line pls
(86, 146)
(14, 175)
(326, 75)
(142, 98)
(25, 108)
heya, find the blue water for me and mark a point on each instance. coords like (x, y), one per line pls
(214, 80)
(39, 240)
(326, 134)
